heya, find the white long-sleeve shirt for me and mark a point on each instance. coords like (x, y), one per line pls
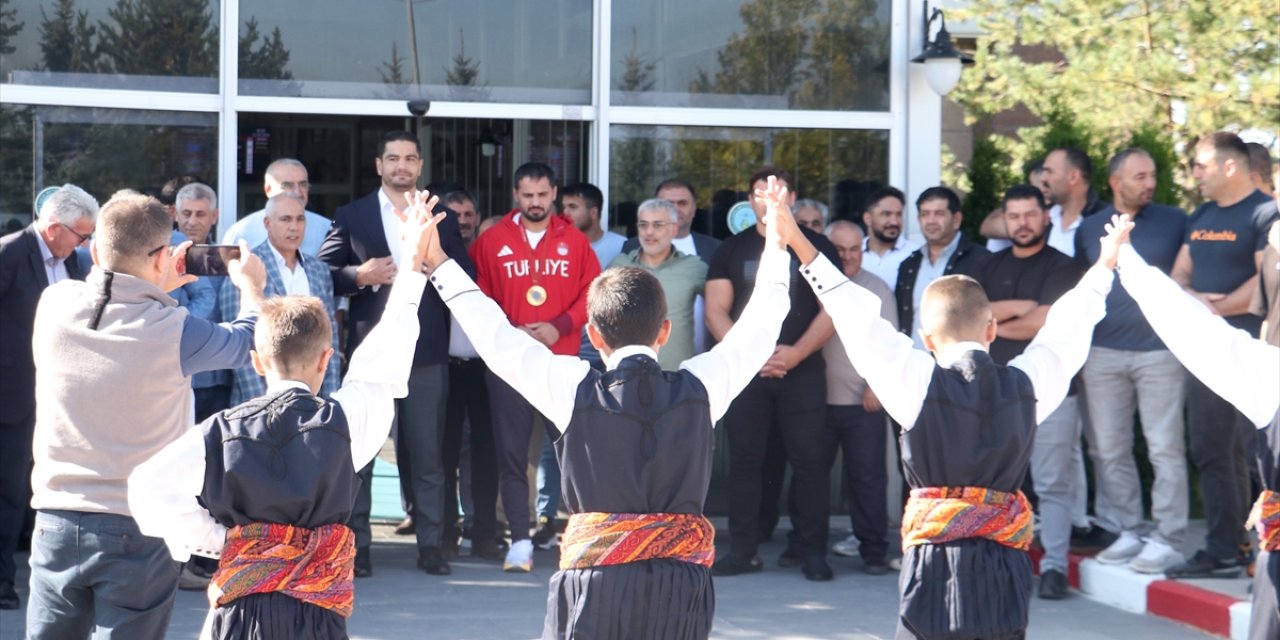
(900, 374)
(1239, 368)
(550, 382)
(163, 490)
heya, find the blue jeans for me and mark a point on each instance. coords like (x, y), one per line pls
(97, 570)
(548, 501)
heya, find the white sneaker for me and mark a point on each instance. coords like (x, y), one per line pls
(1122, 550)
(847, 547)
(1156, 557)
(520, 557)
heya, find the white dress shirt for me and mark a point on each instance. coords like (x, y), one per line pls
(1239, 368)
(900, 375)
(886, 266)
(295, 279)
(550, 382)
(163, 490)
(54, 269)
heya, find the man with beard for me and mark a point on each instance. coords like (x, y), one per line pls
(946, 252)
(885, 248)
(1021, 282)
(537, 266)
(364, 254)
(1130, 368)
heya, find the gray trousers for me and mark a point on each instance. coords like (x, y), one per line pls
(1152, 383)
(96, 573)
(1053, 470)
(420, 449)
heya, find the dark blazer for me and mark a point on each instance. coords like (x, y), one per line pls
(967, 256)
(704, 244)
(356, 236)
(22, 280)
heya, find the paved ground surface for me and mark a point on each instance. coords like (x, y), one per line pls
(480, 602)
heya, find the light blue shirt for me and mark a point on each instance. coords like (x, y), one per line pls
(251, 230)
(929, 271)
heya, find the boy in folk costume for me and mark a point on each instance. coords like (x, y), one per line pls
(275, 477)
(968, 425)
(634, 443)
(1244, 371)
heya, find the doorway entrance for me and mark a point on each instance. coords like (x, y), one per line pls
(478, 155)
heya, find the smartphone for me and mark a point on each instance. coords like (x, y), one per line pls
(210, 259)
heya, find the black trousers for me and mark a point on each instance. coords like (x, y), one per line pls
(861, 435)
(1217, 434)
(469, 401)
(513, 420)
(797, 403)
(15, 489)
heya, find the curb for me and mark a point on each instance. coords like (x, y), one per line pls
(1119, 587)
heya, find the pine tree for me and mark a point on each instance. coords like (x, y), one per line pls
(9, 27)
(269, 61)
(67, 39)
(160, 37)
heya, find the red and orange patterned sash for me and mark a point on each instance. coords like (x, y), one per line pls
(936, 515)
(311, 565)
(603, 539)
(1265, 517)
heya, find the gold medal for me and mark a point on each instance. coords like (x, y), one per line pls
(536, 295)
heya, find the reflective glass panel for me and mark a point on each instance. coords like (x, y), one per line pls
(840, 167)
(458, 50)
(152, 45)
(756, 54)
(100, 150)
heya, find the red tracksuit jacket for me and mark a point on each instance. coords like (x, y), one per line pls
(562, 263)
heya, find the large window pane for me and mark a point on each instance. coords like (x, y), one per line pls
(154, 45)
(759, 54)
(100, 150)
(837, 166)
(465, 50)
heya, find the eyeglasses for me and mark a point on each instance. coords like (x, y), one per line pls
(656, 226)
(157, 250)
(83, 238)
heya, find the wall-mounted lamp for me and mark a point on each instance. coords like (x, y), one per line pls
(941, 60)
(488, 143)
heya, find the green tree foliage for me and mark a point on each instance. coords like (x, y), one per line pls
(160, 37)
(269, 61)
(9, 27)
(766, 57)
(67, 39)
(465, 71)
(1178, 67)
(990, 174)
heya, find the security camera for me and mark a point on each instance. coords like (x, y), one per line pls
(419, 107)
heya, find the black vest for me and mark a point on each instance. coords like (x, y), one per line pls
(975, 429)
(283, 458)
(640, 441)
(1269, 454)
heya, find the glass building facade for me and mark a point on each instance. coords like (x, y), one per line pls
(112, 94)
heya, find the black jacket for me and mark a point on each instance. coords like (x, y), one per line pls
(968, 254)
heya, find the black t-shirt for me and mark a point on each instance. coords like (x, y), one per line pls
(1223, 241)
(737, 260)
(1043, 277)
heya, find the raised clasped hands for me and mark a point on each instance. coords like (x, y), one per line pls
(420, 233)
(1118, 231)
(780, 225)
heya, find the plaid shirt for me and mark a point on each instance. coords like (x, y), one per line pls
(247, 384)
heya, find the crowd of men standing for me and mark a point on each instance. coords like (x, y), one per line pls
(464, 439)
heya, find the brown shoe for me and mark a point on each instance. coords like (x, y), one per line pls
(405, 528)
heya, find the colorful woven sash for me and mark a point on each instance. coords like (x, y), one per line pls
(603, 539)
(936, 515)
(1265, 517)
(311, 565)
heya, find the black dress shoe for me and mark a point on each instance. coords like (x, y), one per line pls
(405, 528)
(486, 549)
(732, 565)
(8, 597)
(1092, 539)
(875, 566)
(791, 557)
(432, 561)
(545, 533)
(364, 565)
(816, 569)
(1053, 585)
